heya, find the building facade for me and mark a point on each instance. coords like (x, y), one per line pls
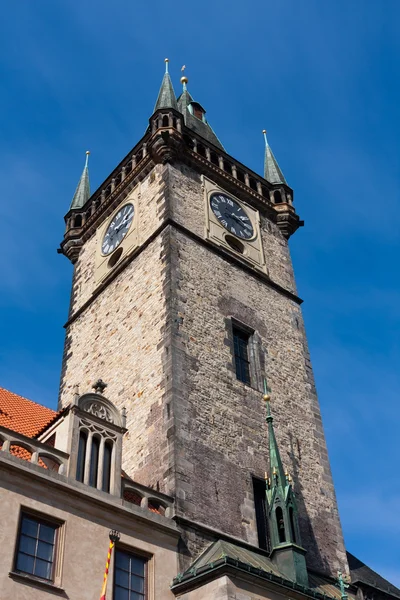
(188, 418)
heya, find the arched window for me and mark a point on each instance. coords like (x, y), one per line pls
(201, 150)
(80, 466)
(253, 184)
(94, 461)
(78, 221)
(291, 517)
(280, 524)
(227, 167)
(108, 448)
(277, 197)
(214, 158)
(165, 121)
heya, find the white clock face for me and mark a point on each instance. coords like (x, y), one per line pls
(117, 229)
(231, 216)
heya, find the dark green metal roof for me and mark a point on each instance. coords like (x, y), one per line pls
(82, 192)
(222, 552)
(360, 573)
(272, 171)
(222, 548)
(202, 128)
(166, 95)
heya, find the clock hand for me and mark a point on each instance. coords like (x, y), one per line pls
(240, 221)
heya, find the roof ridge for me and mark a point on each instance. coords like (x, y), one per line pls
(27, 399)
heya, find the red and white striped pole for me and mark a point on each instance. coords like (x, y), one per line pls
(114, 537)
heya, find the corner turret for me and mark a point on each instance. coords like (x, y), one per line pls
(286, 550)
(166, 96)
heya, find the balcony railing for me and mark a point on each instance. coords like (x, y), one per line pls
(33, 451)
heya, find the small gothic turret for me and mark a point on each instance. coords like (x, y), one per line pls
(272, 171)
(166, 96)
(82, 192)
(286, 550)
(195, 116)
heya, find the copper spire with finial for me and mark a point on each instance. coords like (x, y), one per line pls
(82, 192)
(277, 473)
(272, 171)
(166, 96)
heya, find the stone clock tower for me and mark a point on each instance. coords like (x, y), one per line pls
(183, 301)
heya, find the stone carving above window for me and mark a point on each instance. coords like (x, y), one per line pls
(99, 410)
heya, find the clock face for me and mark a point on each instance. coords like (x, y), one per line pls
(232, 216)
(117, 229)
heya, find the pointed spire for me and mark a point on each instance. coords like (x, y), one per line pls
(277, 475)
(166, 95)
(286, 550)
(82, 192)
(272, 172)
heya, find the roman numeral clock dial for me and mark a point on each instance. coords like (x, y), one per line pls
(232, 216)
(117, 229)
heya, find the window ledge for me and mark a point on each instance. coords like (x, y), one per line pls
(30, 580)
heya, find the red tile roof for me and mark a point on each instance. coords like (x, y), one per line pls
(23, 415)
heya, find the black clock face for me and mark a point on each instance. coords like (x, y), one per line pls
(117, 229)
(232, 216)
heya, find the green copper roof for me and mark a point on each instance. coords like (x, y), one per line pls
(202, 128)
(272, 172)
(166, 95)
(82, 192)
(253, 562)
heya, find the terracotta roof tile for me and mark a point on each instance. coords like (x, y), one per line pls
(23, 415)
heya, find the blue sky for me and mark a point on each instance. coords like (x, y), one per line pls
(322, 77)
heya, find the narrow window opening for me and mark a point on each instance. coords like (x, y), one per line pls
(214, 158)
(174, 122)
(280, 524)
(94, 461)
(80, 467)
(227, 167)
(259, 489)
(108, 448)
(277, 197)
(241, 340)
(201, 150)
(253, 184)
(78, 221)
(240, 176)
(291, 516)
(165, 121)
(188, 141)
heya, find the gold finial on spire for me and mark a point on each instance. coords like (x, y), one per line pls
(266, 396)
(184, 79)
(166, 60)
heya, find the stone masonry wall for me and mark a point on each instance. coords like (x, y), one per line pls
(221, 435)
(118, 338)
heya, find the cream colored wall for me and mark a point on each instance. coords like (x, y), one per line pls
(85, 544)
(214, 590)
(233, 588)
